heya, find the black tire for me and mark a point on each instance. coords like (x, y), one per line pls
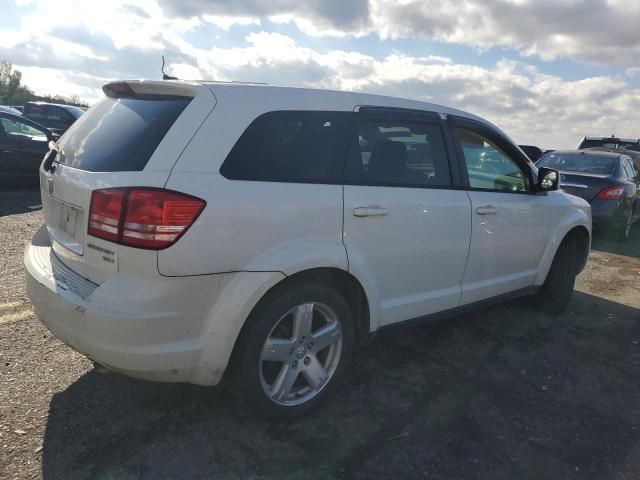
(555, 294)
(623, 232)
(247, 379)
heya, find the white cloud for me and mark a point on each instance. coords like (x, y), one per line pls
(632, 72)
(533, 107)
(126, 41)
(50, 81)
(601, 31)
(225, 22)
(325, 15)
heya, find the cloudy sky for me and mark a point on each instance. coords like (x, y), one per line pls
(546, 71)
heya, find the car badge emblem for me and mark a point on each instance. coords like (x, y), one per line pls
(50, 186)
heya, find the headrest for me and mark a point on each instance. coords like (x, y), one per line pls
(388, 156)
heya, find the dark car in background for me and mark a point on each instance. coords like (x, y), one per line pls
(23, 145)
(610, 142)
(56, 117)
(633, 154)
(607, 180)
(534, 153)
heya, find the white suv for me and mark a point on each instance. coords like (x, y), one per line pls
(194, 229)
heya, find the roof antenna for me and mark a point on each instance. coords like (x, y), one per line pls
(164, 75)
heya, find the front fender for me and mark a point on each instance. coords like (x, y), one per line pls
(573, 218)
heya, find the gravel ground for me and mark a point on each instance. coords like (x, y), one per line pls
(498, 394)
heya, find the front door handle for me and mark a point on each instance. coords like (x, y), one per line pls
(370, 211)
(487, 210)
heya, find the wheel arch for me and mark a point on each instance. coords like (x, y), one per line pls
(346, 283)
(580, 235)
(576, 226)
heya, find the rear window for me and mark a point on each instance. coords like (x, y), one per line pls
(120, 134)
(291, 146)
(577, 162)
(75, 112)
(612, 143)
(36, 110)
(59, 114)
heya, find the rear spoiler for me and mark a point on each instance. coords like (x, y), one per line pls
(131, 88)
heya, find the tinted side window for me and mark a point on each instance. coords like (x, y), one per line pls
(291, 146)
(17, 130)
(488, 167)
(404, 153)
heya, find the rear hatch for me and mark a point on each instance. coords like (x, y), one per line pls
(585, 186)
(132, 137)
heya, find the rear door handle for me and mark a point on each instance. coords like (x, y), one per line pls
(487, 210)
(370, 211)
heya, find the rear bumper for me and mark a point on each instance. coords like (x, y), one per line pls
(608, 213)
(153, 329)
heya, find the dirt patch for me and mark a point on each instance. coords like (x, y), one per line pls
(505, 392)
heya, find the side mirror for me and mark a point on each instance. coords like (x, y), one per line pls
(548, 179)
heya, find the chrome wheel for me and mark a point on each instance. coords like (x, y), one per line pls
(301, 354)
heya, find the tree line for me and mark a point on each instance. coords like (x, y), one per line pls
(13, 92)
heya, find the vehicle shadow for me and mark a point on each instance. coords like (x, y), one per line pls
(505, 392)
(631, 248)
(16, 200)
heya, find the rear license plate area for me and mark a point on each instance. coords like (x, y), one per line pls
(68, 219)
(64, 223)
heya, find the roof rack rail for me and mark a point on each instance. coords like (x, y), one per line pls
(232, 81)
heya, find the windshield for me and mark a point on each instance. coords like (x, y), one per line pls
(579, 162)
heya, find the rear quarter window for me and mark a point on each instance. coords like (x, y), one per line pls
(291, 146)
(120, 134)
(628, 168)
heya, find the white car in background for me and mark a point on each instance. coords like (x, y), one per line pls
(194, 229)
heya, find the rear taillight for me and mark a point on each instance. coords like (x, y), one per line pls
(105, 213)
(611, 193)
(142, 217)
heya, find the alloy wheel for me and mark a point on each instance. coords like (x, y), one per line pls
(300, 354)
